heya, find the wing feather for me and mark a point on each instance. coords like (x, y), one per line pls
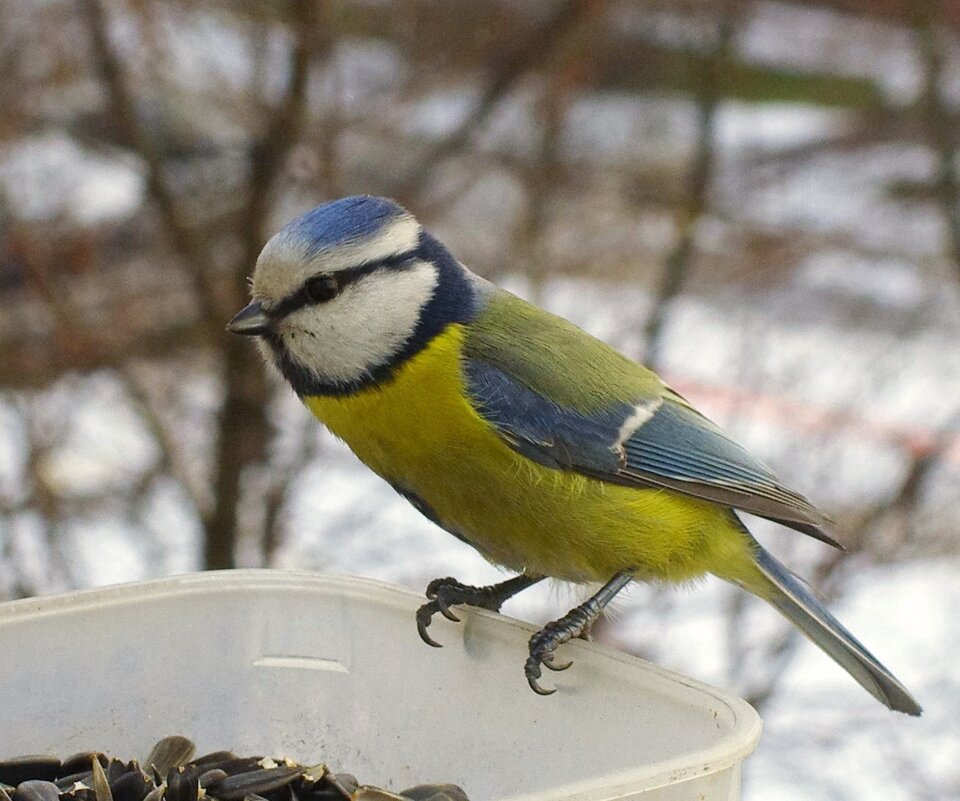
(652, 438)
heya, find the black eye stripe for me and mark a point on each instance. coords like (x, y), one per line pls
(302, 297)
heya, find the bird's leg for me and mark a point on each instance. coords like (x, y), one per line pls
(446, 592)
(575, 623)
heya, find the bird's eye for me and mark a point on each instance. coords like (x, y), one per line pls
(321, 288)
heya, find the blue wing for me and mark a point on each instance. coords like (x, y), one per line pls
(662, 443)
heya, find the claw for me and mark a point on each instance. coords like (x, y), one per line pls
(538, 689)
(442, 593)
(542, 646)
(424, 615)
(443, 606)
(550, 664)
(532, 669)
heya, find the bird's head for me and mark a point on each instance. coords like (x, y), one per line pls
(348, 291)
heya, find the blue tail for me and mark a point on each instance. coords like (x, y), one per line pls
(800, 607)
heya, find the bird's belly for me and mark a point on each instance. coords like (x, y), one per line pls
(420, 433)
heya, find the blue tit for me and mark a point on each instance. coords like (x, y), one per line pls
(535, 443)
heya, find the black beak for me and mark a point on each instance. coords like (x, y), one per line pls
(251, 321)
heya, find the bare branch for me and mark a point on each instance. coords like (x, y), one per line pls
(539, 47)
(271, 150)
(171, 458)
(679, 261)
(242, 423)
(185, 241)
(938, 118)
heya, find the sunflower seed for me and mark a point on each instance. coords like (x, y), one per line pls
(367, 793)
(235, 765)
(34, 766)
(221, 775)
(183, 784)
(101, 785)
(170, 752)
(256, 782)
(66, 782)
(213, 759)
(78, 792)
(211, 776)
(36, 790)
(344, 783)
(131, 786)
(81, 762)
(435, 792)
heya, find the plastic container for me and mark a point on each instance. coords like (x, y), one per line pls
(327, 668)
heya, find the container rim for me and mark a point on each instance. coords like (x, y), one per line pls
(739, 741)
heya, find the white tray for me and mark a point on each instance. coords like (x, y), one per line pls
(328, 668)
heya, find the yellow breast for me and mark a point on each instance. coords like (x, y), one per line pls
(420, 432)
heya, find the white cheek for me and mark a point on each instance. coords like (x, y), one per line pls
(362, 328)
(266, 351)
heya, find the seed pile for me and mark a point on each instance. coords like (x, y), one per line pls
(171, 773)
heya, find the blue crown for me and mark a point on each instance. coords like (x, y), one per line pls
(339, 222)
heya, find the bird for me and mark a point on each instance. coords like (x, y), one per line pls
(545, 449)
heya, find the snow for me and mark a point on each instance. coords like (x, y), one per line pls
(49, 177)
(776, 126)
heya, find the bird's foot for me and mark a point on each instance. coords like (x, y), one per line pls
(576, 623)
(446, 592)
(543, 644)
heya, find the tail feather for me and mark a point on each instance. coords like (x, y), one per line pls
(802, 609)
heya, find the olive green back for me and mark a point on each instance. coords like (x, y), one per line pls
(555, 358)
